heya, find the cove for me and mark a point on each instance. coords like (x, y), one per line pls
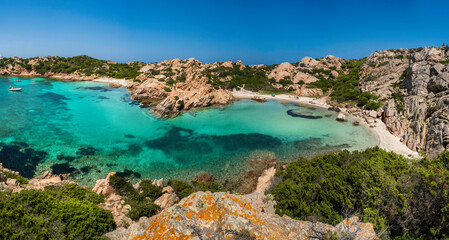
(88, 129)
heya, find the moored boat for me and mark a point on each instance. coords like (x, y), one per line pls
(14, 89)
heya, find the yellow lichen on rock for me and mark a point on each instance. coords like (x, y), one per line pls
(226, 216)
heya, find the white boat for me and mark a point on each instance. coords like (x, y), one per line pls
(14, 89)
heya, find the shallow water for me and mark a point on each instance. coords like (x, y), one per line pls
(89, 129)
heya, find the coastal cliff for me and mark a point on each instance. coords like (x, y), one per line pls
(413, 84)
(405, 88)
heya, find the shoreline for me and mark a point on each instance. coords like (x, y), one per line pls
(385, 140)
(114, 81)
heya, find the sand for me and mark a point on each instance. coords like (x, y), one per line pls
(121, 82)
(386, 140)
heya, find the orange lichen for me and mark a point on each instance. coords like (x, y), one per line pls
(213, 213)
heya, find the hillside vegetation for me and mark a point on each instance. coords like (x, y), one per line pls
(68, 212)
(84, 65)
(406, 199)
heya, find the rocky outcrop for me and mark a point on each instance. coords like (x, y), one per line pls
(306, 71)
(102, 186)
(266, 181)
(205, 215)
(341, 117)
(174, 86)
(47, 179)
(414, 85)
(167, 199)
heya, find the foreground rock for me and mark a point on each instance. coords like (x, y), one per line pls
(205, 215)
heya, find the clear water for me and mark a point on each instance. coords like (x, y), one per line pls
(88, 129)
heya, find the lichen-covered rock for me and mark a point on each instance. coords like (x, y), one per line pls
(205, 215)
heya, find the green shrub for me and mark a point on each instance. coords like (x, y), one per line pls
(122, 186)
(372, 105)
(384, 188)
(212, 187)
(140, 200)
(147, 189)
(182, 189)
(32, 214)
(82, 64)
(75, 192)
(142, 208)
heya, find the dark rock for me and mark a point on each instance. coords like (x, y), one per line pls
(291, 113)
(335, 109)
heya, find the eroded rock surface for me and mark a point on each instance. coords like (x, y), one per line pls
(205, 215)
(414, 85)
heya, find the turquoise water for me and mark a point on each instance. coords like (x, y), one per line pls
(89, 129)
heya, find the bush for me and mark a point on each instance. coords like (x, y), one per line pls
(382, 187)
(147, 189)
(182, 189)
(75, 192)
(371, 105)
(141, 200)
(212, 187)
(142, 208)
(32, 214)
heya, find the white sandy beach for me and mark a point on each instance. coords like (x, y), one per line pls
(121, 82)
(386, 140)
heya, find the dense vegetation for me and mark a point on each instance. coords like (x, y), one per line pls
(346, 87)
(407, 199)
(254, 79)
(184, 189)
(67, 212)
(141, 199)
(83, 64)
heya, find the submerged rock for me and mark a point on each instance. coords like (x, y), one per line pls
(204, 178)
(293, 114)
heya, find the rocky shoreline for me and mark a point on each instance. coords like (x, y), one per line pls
(412, 85)
(369, 119)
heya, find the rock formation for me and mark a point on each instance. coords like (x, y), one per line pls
(414, 84)
(205, 215)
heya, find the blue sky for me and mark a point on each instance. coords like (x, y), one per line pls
(252, 31)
